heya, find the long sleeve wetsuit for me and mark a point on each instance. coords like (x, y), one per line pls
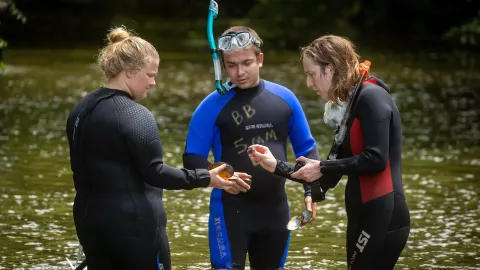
(378, 216)
(255, 221)
(116, 159)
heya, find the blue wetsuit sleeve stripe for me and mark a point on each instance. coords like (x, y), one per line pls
(217, 144)
(202, 127)
(299, 132)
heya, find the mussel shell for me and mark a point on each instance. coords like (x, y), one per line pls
(226, 173)
(307, 216)
(246, 180)
(294, 223)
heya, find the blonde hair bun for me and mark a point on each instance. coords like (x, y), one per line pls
(118, 34)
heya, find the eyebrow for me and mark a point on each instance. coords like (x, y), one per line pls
(232, 62)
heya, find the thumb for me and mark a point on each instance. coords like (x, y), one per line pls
(258, 154)
(219, 168)
(303, 159)
(309, 206)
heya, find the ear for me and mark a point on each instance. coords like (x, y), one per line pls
(329, 70)
(260, 59)
(129, 72)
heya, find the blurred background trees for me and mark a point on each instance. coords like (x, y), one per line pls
(283, 24)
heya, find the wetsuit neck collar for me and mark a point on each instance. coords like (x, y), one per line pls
(117, 92)
(255, 90)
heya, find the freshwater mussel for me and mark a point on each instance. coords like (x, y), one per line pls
(298, 221)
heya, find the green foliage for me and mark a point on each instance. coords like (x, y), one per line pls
(8, 6)
(467, 34)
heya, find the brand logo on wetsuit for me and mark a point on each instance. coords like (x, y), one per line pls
(219, 236)
(259, 126)
(361, 243)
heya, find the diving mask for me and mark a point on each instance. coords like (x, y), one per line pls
(238, 40)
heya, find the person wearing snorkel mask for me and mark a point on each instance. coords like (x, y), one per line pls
(253, 111)
(367, 148)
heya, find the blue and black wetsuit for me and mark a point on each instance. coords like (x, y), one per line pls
(254, 221)
(116, 159)
(378, 216)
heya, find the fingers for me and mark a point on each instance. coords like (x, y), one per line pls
(232, 190)
(221, 183)
(311, 207)
(242, 175)
(237, 188)
(219, 168)
(303, 159)
(308, 203)
(262, 149)
(310, 172)
(242, 185)
(298, 174)
(314, 211)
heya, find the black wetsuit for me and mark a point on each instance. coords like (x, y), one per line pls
(255, 221)
(116, 158)
(378, 216)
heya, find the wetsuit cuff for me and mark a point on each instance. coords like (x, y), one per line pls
(318, 194)
(203, 177)
(323, 165)
(283, 169)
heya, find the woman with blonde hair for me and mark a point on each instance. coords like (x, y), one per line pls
(116, 159)
(367, 147)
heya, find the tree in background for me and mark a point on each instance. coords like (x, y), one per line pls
(7, 7)
(468, 33)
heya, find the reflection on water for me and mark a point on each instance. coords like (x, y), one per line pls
(441, 165)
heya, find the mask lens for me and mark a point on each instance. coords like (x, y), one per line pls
(224, 42)
(243, 39)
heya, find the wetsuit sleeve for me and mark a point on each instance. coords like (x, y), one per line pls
(142, 138)
(284, 169)
(374, 112)
(301, 138)
(201, 135)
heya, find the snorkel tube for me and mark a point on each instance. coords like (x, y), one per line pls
(347, 117)
(212, 14)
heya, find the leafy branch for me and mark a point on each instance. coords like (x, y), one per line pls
(468, 34)
(10, 7)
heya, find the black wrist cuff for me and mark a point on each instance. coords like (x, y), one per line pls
(318, 194)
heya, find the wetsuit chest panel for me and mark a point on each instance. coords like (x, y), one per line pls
(374, 185)
(261, 119)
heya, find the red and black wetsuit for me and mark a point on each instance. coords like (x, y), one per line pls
(378, 216)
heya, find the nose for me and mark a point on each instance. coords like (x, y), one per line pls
(309, 82)
(240, 70)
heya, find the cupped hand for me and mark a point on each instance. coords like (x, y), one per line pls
(240, 185)
(218, 182)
